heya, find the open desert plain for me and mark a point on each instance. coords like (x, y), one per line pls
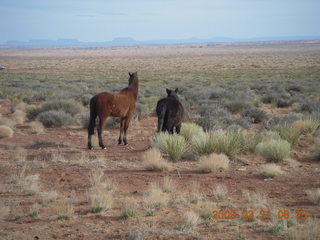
(246, 164)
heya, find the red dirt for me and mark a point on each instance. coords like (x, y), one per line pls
(123, 165)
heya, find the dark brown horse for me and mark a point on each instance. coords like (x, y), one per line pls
(122, 105)
(170, 112)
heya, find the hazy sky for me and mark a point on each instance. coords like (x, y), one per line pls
(103, 20)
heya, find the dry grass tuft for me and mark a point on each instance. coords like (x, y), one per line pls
(65, 210)
(4, 211)
(153, 161)
(220, 192)
(5, 132)
(155, 198)
(129, 207)
(271, 170)
(194, 194)
(36, 127)
(314, 195)
(31, 184)
(213, 162)
(309, 230)
(100, 195)
(191, 220)
(49, 197)
(19, 116)
(168, 185)
(205, 209)
(256, 200)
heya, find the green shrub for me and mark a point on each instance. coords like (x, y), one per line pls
(237, 106)
(291, 132)
(190, 130)
(229, 143)
(142, 111)
(203, 144)
(255, 114)
(68, 106)
(176, 147)
(54, 118)
(274, 150)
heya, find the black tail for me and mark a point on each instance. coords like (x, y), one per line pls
(161, 113)
(93, 115)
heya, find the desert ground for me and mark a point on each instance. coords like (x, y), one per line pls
(239, 98)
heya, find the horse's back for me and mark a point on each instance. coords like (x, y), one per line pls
(114, 104)
(171, 109)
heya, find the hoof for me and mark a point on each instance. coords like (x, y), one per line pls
(103, 147)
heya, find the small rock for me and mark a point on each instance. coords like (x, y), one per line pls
(267, 179)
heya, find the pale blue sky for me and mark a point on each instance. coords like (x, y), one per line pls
(103, 20)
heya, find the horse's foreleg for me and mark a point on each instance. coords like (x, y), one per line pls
(126, 126)
(102, 123)
(122, 121)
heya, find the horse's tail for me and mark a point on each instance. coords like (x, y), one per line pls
(93, 115)
(161, 113)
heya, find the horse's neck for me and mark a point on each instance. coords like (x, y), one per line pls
(131, 90)
(173, 97)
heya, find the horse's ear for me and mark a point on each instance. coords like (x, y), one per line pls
(130, 74)
(168, 91)
(176, 90)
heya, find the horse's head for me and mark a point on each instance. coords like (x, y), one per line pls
(172, 93)
(133, 77)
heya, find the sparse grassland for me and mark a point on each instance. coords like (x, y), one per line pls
(246, 104)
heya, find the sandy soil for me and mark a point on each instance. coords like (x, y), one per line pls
(69, 176)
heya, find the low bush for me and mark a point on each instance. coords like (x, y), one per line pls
(271, 170)
(152, 160)
(237, 106)
(174, 145)
(191, 220)
(291, 132)
(220, 192)
(213, 162)
(190, 130)
(255, 114)
(68, 106)
(203, 144)
(155, 198)
(229, 142)
(55, 118)
(314, 195)
(5, 132)
(274, 150)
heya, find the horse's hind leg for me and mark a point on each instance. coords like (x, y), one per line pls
(92, 123)
(126, 126)
(102, 123)
(178, 128)
(122, 122)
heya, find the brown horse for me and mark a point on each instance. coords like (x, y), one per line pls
(122, 105)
